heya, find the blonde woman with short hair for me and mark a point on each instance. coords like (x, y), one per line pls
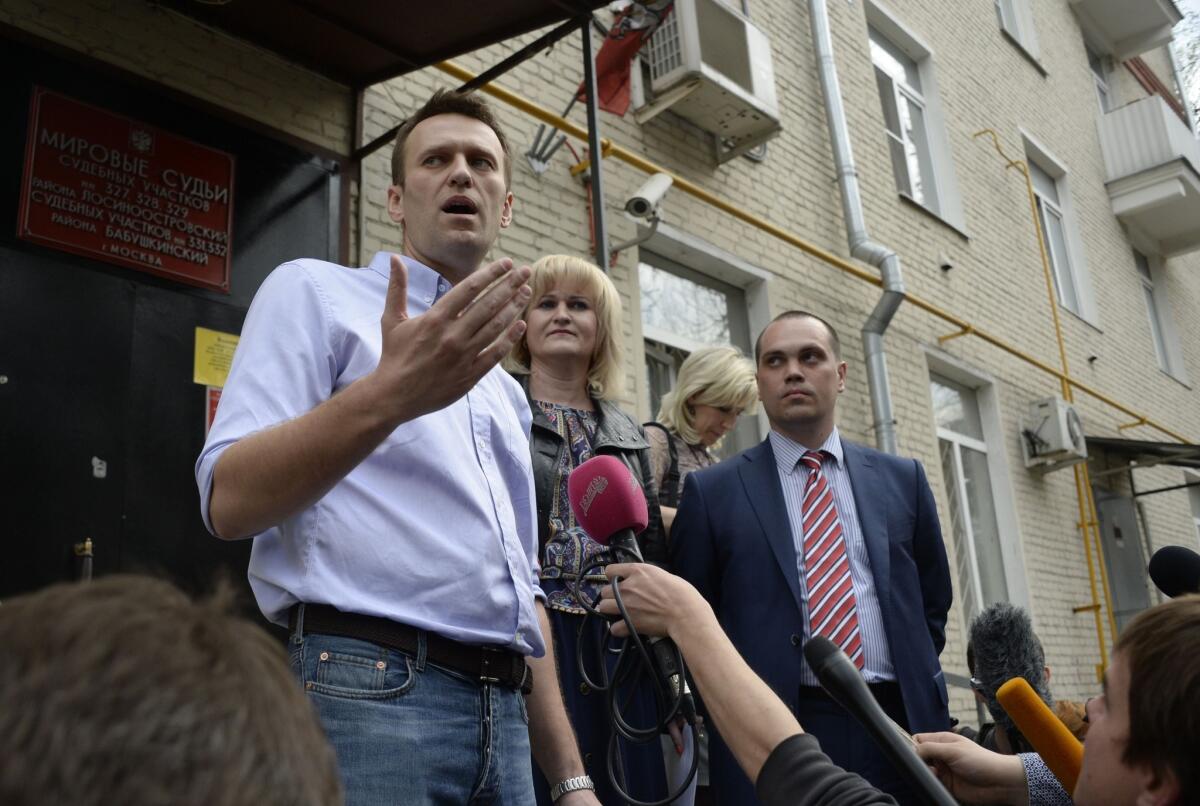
(714, 386)
(568, 360)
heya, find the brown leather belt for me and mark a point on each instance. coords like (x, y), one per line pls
(486, 664)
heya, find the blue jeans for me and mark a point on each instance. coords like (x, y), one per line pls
(408, 732)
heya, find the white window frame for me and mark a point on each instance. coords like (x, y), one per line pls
(1016, 19)
(1189, 478)
(995, 445)
(1163, 334)
(1096, 59)
(1074, 262)
(1154, 319)
(959, 441)
(944, 183)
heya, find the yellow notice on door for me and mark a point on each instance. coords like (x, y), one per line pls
(214, 355)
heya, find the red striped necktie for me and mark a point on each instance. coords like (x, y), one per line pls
(832, 610)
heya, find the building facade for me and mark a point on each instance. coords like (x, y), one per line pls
(942, 100)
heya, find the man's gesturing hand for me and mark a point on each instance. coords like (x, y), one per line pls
(430, 361)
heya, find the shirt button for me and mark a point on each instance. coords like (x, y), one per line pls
(795, 640)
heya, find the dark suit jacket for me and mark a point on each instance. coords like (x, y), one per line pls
(732, 540)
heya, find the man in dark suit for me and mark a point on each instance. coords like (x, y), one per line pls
(807, 534)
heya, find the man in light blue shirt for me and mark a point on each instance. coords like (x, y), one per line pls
(371, 446)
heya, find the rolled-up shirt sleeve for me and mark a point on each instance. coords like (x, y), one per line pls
(285, 365)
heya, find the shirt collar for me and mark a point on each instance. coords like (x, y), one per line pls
(424, 283)
(788, 451)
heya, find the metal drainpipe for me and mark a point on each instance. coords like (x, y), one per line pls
(861, 245)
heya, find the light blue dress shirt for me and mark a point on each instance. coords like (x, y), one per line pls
(435, 529)
(877, 657)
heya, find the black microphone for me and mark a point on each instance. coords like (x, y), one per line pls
(1175, 570)
(844, 683)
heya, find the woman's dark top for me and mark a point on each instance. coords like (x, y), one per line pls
(616, 434)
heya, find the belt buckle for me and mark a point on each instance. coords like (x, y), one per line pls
(485, 664)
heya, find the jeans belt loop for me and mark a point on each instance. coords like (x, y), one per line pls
(298, 633)
(422, 650)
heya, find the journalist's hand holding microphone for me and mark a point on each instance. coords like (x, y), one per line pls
(659, 603)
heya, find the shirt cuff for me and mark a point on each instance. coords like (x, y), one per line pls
(1044, 788)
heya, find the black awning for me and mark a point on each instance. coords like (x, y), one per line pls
(1148, 453)
(363, 42)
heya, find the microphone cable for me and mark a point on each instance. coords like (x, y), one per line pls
(635, 662)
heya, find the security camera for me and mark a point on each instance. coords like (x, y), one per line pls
(645, 200)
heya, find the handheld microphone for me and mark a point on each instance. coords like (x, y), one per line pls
(844, 683)
(1175, 570)
(609, 504)
(1061, 751)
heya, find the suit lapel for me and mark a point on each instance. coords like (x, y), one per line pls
(872, 516)
(760, 479)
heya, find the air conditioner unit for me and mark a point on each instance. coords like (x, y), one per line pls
(712, 66)
(1052, 435)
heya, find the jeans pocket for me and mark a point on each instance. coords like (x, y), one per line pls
(364, 672)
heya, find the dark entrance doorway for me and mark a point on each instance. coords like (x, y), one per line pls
(100, 422)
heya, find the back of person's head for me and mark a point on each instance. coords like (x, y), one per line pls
(1002, 645)
(710, 376)
(1162, 649)
(556, 272)
(125, 691)
(450, 102)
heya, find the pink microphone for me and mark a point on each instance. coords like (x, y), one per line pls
(608, 503)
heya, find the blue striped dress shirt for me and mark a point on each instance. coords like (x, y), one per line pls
(792, 477)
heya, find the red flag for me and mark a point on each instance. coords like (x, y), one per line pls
(632, 27)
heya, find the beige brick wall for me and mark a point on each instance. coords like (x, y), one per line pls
(997, 282)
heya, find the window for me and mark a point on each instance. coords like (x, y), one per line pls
(682, 310)
(914, 126)
(1100, 75)
(1054, 235)
(1162, 329)
(1016, 19)
(904, 115)
(1156, 327)
(980, 565)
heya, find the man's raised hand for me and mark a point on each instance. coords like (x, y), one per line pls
(432, 360)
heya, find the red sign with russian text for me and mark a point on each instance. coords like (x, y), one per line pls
(105, 186)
